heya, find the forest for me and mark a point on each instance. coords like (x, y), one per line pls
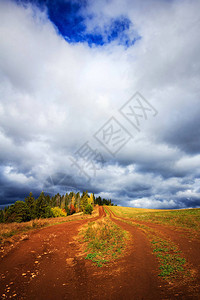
(48, 207)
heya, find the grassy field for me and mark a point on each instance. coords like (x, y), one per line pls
(7, 231)
(186, 218)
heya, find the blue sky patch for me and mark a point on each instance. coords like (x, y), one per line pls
(67, 17)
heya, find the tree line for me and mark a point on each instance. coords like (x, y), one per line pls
(48, 207)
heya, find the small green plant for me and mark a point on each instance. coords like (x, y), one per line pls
(171, 263)
(92, 257)
(8, 234)
(104, 241)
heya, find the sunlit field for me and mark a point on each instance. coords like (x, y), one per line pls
(186, 218)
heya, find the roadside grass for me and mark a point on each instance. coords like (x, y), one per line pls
(103, 241)
(185, 218)
(10, 230)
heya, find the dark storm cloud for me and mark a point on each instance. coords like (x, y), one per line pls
(184, 133)
(11, 192)
(192, 202)
(165, 170)
(135, 190)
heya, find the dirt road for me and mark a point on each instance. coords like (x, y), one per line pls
(49, 265)
(189, 245)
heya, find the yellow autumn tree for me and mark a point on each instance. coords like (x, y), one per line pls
(91, 199)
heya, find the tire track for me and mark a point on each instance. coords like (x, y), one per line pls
(177, 289)
(47, 265)
(142, 267)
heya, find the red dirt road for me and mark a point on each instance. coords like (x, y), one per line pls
(188, 244)
(45, 266)
(49, 265)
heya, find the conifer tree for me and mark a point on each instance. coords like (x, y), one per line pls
(1, 216)
(42, 210)
(30, 202)
(17, 212)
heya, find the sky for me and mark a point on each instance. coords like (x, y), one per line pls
(101, 95)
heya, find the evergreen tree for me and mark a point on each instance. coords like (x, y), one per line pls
(42, 209)
(48, 200)
(17, 212)
(1, 216)
(77, 204)
(67, 203)
(30, 202)
(53, 201)
(58, 200)
(103, 201)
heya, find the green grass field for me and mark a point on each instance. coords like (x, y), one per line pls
(186, 218)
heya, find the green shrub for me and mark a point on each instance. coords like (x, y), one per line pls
(88, 210)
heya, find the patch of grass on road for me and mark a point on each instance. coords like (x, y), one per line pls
(171, 263)
(104, 241)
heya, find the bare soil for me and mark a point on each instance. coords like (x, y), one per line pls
(50, 265)
(189, 244)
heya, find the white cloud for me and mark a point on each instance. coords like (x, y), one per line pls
(55, 95)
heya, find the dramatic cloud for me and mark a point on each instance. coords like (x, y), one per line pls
(67, 67)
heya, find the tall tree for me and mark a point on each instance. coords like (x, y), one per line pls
(42, 210)
(1, 216)
(77, 203)
(91, 199)
(30, 202)
(58, 200)
(84, 201)
(72, 206)
(62, 204)
(17, 212)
